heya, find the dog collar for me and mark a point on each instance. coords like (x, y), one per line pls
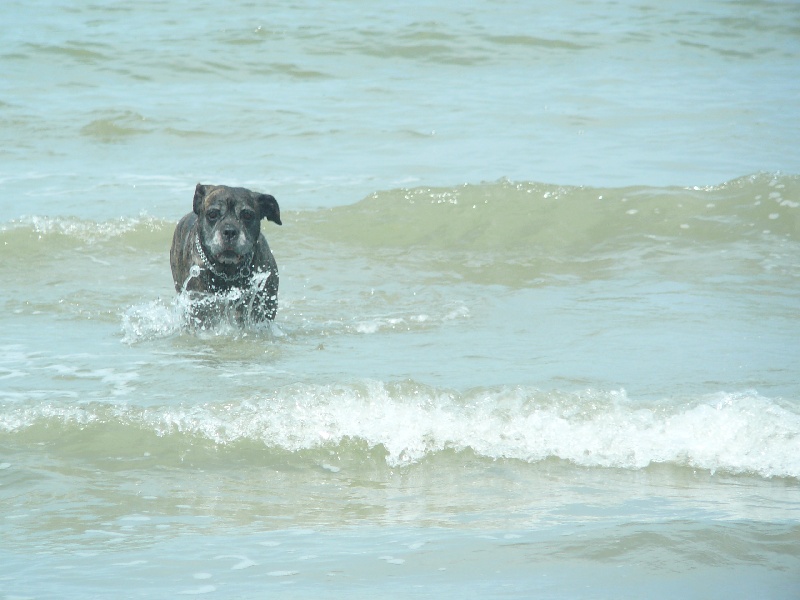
(242, 272)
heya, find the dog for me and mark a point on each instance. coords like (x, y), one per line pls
(218, 249)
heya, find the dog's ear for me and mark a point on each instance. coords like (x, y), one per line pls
(199, 195)
(269, 208)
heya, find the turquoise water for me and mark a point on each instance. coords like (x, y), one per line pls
(537, 327)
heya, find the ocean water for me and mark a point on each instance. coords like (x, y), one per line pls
(538, 326)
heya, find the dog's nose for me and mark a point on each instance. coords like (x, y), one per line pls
(229, 233)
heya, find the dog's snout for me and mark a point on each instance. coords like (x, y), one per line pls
(229, 233)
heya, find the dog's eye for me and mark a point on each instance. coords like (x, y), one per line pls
(248, 215)
(213, 214)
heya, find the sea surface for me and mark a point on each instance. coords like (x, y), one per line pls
(538, 331)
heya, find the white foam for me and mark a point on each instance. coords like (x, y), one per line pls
(739, 433)
(368, 326)
(736, 432)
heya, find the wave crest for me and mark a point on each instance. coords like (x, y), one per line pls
(408, 423)
(509, 215)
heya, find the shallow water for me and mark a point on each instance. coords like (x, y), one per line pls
(537, 329)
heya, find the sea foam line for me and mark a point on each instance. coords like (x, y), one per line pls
(737, 433)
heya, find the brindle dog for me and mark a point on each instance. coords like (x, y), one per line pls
(219, 248)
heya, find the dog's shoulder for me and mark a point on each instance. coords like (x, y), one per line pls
(185, 225)
(181, 255)
(263, 258)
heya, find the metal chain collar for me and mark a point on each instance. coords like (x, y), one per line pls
(243, 272)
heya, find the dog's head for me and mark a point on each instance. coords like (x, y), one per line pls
(229, 220)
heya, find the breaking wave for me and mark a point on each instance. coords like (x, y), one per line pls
(405, 423)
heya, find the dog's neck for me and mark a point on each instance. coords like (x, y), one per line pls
(241, 274)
